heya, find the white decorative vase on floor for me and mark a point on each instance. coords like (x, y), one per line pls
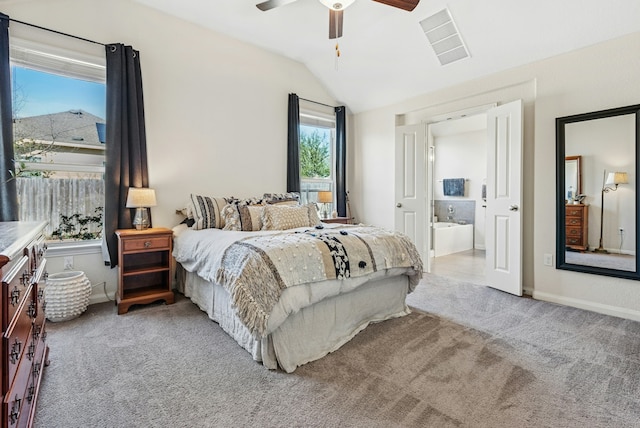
(66, 295)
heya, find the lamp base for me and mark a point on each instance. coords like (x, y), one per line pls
(141, 220)
(600, 250)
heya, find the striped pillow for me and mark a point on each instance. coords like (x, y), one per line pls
(242, 217)
(207, 212)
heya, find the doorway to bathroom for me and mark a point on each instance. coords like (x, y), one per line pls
(414, 184)
(458, 170)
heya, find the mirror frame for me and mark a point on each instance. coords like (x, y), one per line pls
(561, 236)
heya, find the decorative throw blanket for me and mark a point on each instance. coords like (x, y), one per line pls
(257, 269)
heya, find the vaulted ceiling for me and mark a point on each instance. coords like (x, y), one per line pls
(384, 53)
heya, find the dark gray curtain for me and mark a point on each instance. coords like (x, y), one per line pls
(126, 164)
(8, 192)
(341, 161)
(293, 145)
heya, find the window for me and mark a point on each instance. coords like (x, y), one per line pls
(317, 154)
(59, 102)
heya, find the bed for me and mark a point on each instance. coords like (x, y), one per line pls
(292, 296)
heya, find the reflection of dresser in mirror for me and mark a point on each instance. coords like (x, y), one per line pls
(576, 223)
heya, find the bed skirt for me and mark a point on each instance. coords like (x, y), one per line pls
(312, 332)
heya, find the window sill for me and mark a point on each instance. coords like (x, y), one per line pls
(73, 248)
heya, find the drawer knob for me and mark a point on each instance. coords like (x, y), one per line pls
(15, 296)
(15, 351)
(31, 310)
(36, 332)
(30, 393)
(15, 410)
(31, 351)
(24, 279)
(147, 244)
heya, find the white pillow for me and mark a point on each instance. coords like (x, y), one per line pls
(283, 217)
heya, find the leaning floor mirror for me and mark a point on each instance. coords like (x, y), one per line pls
(597, 199)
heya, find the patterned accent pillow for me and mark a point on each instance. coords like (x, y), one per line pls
(282, 217)
(243, 215)
(206, 212)
(290, 198)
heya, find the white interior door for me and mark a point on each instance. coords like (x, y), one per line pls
(410, 187)
(504, 198)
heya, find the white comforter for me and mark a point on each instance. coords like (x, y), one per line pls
(201, 252)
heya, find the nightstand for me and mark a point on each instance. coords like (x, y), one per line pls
(344, 220)
(144, 263)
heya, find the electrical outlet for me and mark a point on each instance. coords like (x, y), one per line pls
(548, 259)
(68, 262)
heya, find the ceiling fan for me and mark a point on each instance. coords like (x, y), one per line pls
(336, 7)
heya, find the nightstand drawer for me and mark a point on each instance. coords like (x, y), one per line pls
(139, 244)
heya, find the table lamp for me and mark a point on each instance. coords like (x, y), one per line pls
(141, 198)
(615, 179)
(325, 197)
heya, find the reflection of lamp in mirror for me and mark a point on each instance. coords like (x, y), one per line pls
(325, 197)
(140, 199)
(614, 178)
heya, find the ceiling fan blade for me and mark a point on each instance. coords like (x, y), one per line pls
(272, 4)
(401, 4)
(335, 24)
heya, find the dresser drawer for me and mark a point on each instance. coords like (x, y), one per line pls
(14, 402)
(35, 251)
(16, 339)
(574, 241)
(574, 221)
(574, 232)
(574, 211)
(15, 285)
(152, 243)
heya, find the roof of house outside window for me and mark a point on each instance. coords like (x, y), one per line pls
(76, 127)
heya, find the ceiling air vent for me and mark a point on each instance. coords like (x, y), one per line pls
(444, 38)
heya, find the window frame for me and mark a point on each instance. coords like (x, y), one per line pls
(73, 64)
(313, 118)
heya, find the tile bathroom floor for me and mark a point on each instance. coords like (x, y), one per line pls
(468, 266)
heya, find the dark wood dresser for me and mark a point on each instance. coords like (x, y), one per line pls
(23, 351)
(577, 226)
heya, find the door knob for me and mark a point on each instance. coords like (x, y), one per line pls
(513, 207)
(399, 205)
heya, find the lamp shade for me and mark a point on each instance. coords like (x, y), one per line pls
(617, 178)
(325, 197)
(141, 197)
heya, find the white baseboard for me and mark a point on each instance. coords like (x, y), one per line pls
(615, 311)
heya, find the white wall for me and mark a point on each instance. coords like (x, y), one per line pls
(463, 155)
(216, 108)
(595, 78)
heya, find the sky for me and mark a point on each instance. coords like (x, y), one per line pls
(36, 93)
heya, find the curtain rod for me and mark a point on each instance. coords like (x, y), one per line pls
(56, 32)
(316, 102)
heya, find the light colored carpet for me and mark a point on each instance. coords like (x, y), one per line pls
(611, 261)
(470, 357)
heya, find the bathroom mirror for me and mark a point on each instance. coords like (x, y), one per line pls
(599, 233)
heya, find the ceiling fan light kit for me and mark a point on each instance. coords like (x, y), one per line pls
(336, 7)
